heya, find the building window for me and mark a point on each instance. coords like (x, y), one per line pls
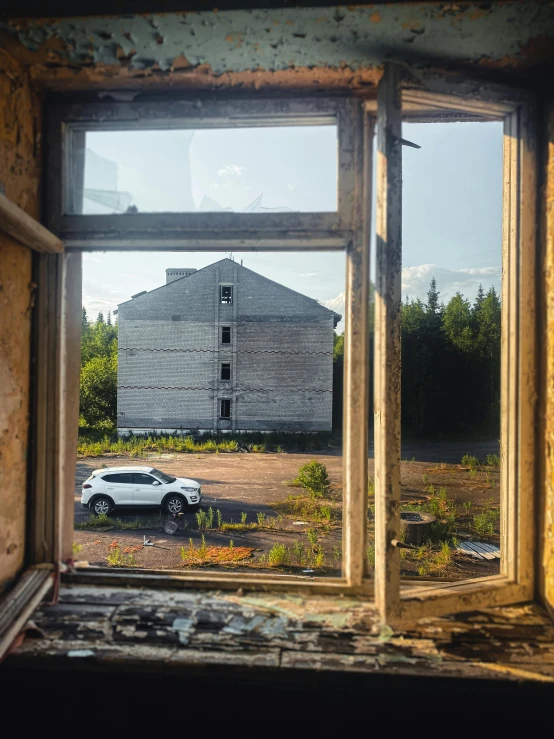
(226, 294)
(225, 371)
(225, 334)
(225, 408)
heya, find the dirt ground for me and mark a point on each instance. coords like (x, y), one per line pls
(255, 484)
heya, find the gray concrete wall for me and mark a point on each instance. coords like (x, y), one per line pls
(170, 355)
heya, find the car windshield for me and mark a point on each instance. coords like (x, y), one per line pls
(163, 477)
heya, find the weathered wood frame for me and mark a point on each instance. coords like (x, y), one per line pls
(349, 229)
(67, 124)
(427, 100)
(346, 230)
(45, 499)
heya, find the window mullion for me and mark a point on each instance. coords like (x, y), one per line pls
(387, 343)
(356, 361)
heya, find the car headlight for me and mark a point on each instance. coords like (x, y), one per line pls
(190, 490)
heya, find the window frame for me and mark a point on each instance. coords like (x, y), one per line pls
(403, 97)
(225, 379)
(67, 123)
(221, 416)
(223, 287)
(346, 231)
(428, 99)
(226, 343)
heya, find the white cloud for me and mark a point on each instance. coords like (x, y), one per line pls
(291, 187)
(309, 274)
(415, 280)
(91, 258)
(230, 170)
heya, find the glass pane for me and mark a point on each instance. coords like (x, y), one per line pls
(241, 170)
(263, 442)
(451, 322)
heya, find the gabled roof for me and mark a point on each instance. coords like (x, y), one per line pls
(191, 276)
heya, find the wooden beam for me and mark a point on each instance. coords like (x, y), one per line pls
(23, 228)
(387, 344)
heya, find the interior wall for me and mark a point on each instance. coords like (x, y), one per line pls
(19, 181)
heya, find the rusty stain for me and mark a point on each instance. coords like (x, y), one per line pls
(375, 17)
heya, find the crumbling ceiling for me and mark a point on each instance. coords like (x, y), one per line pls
(494, 36)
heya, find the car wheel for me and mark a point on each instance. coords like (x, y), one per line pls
(101, 506)
(175, 503)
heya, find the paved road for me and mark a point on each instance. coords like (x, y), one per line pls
(445, 451)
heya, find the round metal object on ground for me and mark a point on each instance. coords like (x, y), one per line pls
(416, 526)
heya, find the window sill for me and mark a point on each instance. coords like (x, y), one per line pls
(102, 627)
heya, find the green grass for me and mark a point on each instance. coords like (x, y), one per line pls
(104, 522)
(117, 559)
(308, 509)
(468, 460)
(484, 523)
(95, 443)
(239, 526)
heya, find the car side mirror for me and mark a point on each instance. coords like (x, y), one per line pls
(156, 482)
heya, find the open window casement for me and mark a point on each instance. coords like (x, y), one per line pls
(50, 450)
(402, 97)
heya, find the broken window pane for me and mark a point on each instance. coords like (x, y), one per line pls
(226, 294)
(262, 169)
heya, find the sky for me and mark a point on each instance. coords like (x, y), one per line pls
(452, 203)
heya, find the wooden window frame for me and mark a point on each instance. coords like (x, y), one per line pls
(401, 97)
(347, 230)
(67, 124)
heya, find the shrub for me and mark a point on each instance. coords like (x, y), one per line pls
(468, 460)
(278, 555)
(314, 478)
(493, 460)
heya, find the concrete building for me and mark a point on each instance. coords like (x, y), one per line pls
(222, 349)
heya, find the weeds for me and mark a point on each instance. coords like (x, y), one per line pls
(278, 555)
(493, 460)
(96, 522)
(371, 556)
(210, 517)
(116, 558)
(314, 478)
(308, 509)
(243, 517)
(77, 548)
(95, 443)
(467, 507)
(468, 460)
(202, 519)
(206, 555)
(312, 537)
(219, 518)
(371, 487)
(433, 562)
(105, 523)
(484, 523)
(239, 526)
(261, 518)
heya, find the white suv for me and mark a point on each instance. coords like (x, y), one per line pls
(139, 487)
